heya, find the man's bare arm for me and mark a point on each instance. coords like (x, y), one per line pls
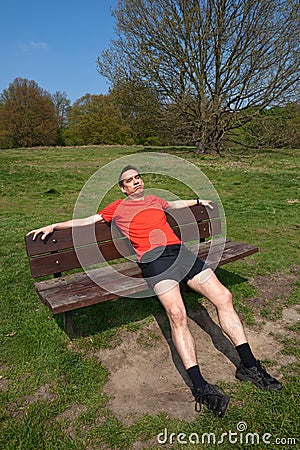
(45, 231)
(184, 203)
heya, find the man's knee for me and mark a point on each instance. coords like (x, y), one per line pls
(226, 298)
(177, 316)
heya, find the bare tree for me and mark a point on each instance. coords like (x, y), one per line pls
(62, 107)
(221, 62)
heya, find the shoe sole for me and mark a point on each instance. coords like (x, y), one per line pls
(263, 388)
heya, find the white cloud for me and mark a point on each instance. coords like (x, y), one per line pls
(34, 44)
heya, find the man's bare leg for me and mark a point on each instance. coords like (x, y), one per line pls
(169, 294)
(208, 285)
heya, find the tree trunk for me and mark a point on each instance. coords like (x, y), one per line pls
(205, 149)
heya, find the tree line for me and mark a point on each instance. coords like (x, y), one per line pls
(129, 114)
(206, 73)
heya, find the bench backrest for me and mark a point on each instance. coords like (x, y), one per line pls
(57, 254)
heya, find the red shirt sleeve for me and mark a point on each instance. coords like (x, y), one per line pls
(109, 211)
(164, 204)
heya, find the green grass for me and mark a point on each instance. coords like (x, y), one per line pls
(43, 375)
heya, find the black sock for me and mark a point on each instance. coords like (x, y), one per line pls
(197, 379)
(246, 355)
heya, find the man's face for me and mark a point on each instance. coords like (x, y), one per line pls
(133, 184)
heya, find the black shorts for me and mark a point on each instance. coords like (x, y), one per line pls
(175, 262)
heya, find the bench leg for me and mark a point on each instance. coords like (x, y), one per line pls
(68, 323)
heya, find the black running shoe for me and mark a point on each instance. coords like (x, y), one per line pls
(213, 397)
(259, 377)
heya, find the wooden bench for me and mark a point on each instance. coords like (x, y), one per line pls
(56, 254)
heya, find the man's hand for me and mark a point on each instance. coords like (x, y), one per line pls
(44, 230)
(67, 224)
(207, 203)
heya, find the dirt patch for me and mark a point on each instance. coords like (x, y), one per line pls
(147, 376)
(69, 416)
(151, 379)
(275, 287)
(3, 383)
(44, 393)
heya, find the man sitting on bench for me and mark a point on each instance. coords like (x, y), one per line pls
(165, 261)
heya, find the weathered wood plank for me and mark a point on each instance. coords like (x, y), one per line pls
(197, 213)
(71, 259)
(88, 255)
(79, 290)
(102, 232)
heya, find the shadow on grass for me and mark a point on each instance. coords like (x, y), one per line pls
(127, 311)
(219, 340)
(105, 319)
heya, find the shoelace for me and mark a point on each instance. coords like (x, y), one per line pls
(263, 372)
(198, 402)
(200, 397)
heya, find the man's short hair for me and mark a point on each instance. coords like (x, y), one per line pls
(129, 167)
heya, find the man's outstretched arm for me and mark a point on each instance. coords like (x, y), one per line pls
(184, 203)
(45, 231)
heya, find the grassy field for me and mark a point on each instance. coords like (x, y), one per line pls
(43, 375)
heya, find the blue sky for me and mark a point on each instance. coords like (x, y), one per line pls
(55, 43)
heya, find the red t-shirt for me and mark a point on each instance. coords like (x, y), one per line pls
(142, 221)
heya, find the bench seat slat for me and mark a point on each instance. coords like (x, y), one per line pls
(231, 252)
(237, 250)
(69, 296)
(78, 290)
